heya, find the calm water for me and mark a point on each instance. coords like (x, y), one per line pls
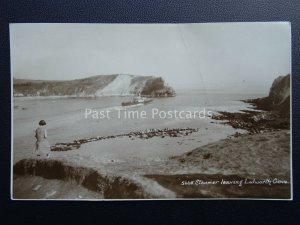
(66, 120)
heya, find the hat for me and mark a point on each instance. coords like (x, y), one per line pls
(42, 123)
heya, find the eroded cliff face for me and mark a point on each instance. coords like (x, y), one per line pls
(279, 97)
(280, 90)
(101, 85)
(71, 174)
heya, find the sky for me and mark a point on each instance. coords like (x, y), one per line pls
(221, 56)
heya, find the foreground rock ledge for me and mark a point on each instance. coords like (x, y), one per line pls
(109, 186)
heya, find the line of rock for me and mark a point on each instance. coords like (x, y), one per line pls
(254, 121)
(150, 133)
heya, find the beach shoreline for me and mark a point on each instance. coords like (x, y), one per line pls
(251, 146)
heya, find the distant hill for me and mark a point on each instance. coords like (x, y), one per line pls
(101, 85)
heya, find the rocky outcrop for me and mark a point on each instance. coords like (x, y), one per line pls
(156, 87)
(280, 90)
(275, 114)
(110, 186)
(278, 99)
(102, 85)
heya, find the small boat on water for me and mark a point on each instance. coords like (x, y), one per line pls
(137, 100)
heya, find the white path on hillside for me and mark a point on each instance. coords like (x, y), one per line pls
(119, 86)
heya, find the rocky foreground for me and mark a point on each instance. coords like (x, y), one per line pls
(249, 166)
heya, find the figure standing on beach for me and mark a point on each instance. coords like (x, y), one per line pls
(42, 146)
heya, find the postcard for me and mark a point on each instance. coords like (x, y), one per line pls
(151, 111)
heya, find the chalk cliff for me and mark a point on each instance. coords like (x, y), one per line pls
(101, 85)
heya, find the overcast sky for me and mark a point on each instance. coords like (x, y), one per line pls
(223, 56)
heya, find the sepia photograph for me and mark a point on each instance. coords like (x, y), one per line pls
(151, 111)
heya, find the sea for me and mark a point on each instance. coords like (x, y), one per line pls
(67, 117)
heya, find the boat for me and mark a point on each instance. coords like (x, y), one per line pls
(137, 101)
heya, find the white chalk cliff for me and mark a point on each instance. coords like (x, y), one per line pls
(101, 85)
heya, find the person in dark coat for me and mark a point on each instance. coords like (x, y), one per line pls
(42, 146)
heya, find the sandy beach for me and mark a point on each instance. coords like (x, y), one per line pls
(247, 156)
